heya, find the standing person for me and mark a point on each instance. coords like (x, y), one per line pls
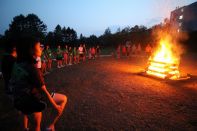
(89, 53)
(8, 61)
(93, 52)
(139, 49)
(65, 52)
(133, 49)
(70, 53)
(59, 56)
(43, 61)
(84, 52)
(124, 51)
(81, 52)
(148, 50)
(128, 48)
(75, 55)
(50, 57)
(98, 51)
(118, 51)
(29, 86)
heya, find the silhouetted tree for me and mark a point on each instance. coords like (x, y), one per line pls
(71, 35)
(64, 35)
(1, 41)
(107, 31)
(30, 25)
(50, 40)
(126, 30)
(82, 39)
(92, 41)
(58, 35)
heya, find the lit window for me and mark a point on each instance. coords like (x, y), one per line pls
(182, 9)
(178, 30)
(180, 24)
(181, 17)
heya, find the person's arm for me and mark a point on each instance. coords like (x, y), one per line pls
(37, 80)
(51, 100)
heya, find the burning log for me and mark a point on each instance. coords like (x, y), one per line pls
(163, 70)
(164, 62)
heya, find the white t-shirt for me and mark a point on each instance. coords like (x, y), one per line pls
(39, 63)
(80, 50)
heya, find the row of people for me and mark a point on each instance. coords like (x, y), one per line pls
(128, 50)
(65, 56)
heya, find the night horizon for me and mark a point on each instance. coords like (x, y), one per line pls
(91, 17)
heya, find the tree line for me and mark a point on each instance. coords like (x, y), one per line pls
(32, 25)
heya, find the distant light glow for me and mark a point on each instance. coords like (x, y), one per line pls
(181, 17)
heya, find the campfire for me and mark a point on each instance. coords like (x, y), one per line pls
(164, 62)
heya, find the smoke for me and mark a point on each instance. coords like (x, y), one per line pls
(170, 34)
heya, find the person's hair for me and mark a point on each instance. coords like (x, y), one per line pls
(25, 48)
(10, 45)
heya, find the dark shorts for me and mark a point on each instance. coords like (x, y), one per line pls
(59, 57)
(80, 55)
(29, 105)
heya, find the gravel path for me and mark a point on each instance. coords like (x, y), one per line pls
(110, 94)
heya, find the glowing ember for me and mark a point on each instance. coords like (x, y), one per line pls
(164, 63)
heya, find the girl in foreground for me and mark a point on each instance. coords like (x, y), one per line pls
(30, 92)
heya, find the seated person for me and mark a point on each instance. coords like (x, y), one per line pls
(30, 92)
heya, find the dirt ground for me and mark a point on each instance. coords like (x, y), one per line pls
(110, 94)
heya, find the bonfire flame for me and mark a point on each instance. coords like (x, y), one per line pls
(164, 63)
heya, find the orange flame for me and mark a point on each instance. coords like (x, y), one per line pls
(164, 62)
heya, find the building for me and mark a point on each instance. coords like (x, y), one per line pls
(185, 18)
